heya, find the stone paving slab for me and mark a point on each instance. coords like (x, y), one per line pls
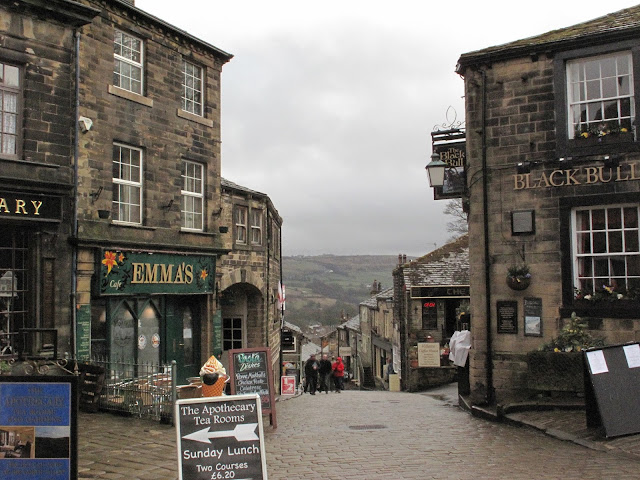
(365, 435)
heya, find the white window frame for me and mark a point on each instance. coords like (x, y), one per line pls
(10, 120)
(256, 227)
(240, 218)
(127, 183)
(579, 88)
(626, 232)
(190, 87)
(192, 195)
(129, 62)
(295, 345)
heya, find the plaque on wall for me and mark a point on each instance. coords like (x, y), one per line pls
(507, 316)
(533, 317)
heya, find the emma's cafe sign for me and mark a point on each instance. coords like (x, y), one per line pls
(577, 176)
(123, 273)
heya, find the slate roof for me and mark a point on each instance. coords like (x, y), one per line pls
(352, 324)
(447, 265)
(614, 26)
(308, 349)
(372, 302)
(292, 327)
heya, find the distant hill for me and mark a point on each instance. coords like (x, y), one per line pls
(320, 288)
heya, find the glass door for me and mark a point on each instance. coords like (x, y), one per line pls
(183, 336)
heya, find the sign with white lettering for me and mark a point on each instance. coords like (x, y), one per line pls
(30, 206)
(455, 156)
(124, 273)
(220, 437)
(38, 427)
(250, 371)
(437, 292)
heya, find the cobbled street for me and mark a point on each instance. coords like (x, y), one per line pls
(361, 435)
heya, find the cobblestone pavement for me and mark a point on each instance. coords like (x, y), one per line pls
(361, 435)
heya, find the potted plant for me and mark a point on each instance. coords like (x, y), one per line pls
(518, 277)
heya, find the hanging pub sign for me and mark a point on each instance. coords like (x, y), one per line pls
(125, 273)
(455, 156)
(30, 206)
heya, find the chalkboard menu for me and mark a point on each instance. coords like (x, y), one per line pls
(39, 419)
(612, 388)
(251, 373)
(220, 437)
(83, 332)
(507, 316)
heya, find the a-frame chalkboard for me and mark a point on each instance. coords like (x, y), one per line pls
(612, 388)
(251, 372)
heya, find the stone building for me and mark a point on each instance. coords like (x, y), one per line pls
(248, 277)
(430, 292)
(379, 336)
(552, 175)
(37, 69)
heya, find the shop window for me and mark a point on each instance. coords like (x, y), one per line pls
(128, 62)
(429, 315)
(288, 342)
(256, 227)
(192, 88)
(240, 221)
(14, 291)
(275, 239)
(10, 93)
(192, 205)
(232, 333)
(606, 250)
(127, 184)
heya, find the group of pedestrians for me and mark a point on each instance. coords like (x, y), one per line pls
(318, 374)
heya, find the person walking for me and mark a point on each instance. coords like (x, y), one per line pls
(338, 374)
(325, 373)
(311, 374)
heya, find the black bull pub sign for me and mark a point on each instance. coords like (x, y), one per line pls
(220, 438)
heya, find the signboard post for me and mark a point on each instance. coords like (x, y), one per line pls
(38, 426)
(250, 371)
(220, 437)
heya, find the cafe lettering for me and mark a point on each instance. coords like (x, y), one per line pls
(577, 176)
(123, 272)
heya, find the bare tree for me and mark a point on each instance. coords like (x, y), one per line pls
(458, 225)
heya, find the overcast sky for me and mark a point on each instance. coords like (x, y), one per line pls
(328, 106)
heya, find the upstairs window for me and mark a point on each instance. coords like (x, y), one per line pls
(606, 249)
(240, 220)
(128, 62)
(600, 95)
(127, 184)
(10, 86)
(256, 227)
(192, 88)
(192, 205)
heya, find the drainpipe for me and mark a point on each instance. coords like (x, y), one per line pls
(74, 254)
(487, 266)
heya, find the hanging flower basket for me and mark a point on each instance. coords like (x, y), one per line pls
(518, 283)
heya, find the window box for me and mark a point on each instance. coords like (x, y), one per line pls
(555, 371)
(614, 309)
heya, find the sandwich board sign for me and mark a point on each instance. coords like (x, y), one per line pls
(220, 438)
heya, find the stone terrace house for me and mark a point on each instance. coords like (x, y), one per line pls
(430, 293)
(380, 336)
(37, 65)
(148, 157)
(553, 177)
(248, 276)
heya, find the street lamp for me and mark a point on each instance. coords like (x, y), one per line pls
(435, 171)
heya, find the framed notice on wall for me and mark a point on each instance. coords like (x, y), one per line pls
(533, 317)
(507, 312)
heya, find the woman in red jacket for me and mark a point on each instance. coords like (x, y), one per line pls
(338, 374)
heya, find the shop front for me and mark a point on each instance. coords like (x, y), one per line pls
(152, 308)
(34, 274)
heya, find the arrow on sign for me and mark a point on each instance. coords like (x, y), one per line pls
(243, 433)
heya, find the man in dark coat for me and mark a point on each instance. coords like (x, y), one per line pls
(325, 373)
(311, 374)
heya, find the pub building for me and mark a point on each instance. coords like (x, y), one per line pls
(36, 175)
(431, 293)
(553, 171)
